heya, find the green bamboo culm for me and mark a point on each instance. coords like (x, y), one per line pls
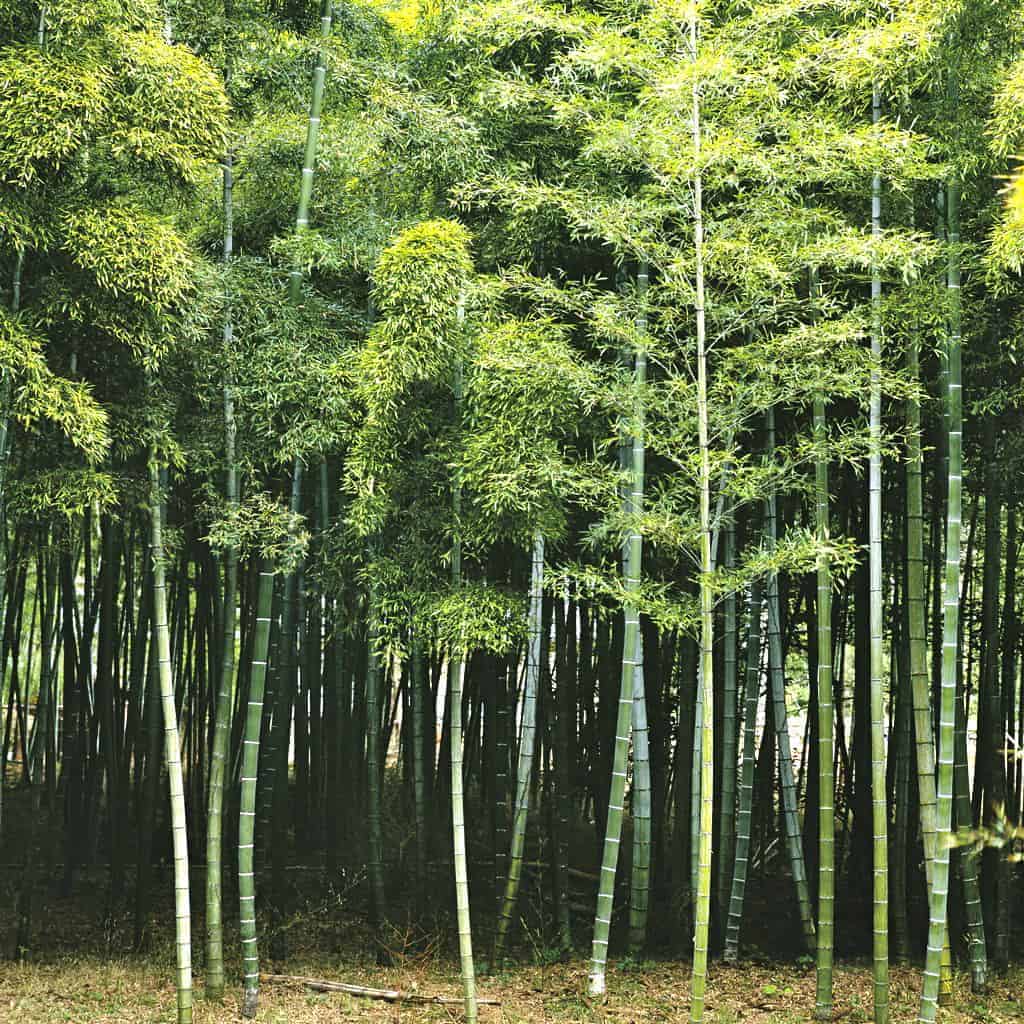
(727, 841)
(751, 695)
(640, 805)
(631, 660)
(695, 783)
(5, 449)
(640, 800)
(962, 818)
(939, 901)
(826, 783)
(312, 144)
(917, 642)
(278, 736)
(374, 763)
(456, 679)
(527, 744)
(879, 811)
(418, 684)
(247, 808)
(705, 679)
(777, 690)
(222, 713)
(457, 675)
(172, 751)
(247, 900)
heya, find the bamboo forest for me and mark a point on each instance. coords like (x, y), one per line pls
(511, 511)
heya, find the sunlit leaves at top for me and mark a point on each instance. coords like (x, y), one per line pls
(50, 104)
(168, 107)
(39, 394)
(130, 253)
(526, 393)
(419, 278)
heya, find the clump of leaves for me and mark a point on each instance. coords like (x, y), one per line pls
(261, 525)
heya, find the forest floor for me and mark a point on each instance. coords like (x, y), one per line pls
(79, 970)
(89, 990)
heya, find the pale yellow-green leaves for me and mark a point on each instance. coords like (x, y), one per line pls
(39, 394)
(126, 93)
(65, 491)
(527, 392)
(895, 49)
(418, 284)
(413, 349)
(130, 254)
(167, 108)
(263, 527)
(50, 106)
(71, 20)
(899, 254)
(518, 26)
(1006, 130)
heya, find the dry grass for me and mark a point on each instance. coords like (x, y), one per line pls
(133, 991)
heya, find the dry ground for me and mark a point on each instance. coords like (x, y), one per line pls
(133, 991)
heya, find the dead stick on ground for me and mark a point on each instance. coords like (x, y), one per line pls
(389, 995)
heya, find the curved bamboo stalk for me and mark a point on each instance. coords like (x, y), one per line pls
(527, 743)
(172, 753)
(222, 712)
(631, 659)
(640, 799)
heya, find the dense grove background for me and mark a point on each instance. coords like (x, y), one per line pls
(527, 476)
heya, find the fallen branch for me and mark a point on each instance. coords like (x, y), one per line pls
(388, 995)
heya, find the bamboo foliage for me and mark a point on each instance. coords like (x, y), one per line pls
(461, 389)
